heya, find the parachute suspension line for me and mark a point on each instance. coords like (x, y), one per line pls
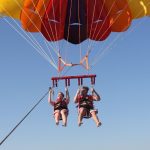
(52, 61)
(31, 20)
(85, 58)
(108, 27)
(68, 32)
(111, 44)
(55, 26)
(88, 26)
(79, 29)
(28, 113)
(90, 45)
(60, 18)
(61, 62)
(92, 21)
(51, 45)
(105, 21)
(87, 21)
(20, 29)
(100, 16)
(42, 50)
(25, 36)
(99, 56)
(46, 28)
(69, 21)
(30, 42)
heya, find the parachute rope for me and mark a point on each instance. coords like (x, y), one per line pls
(28, 113)
(102, 52)
(45, 26)
(27, 38)
(32, 41)
(30, 18)
(55, 27)
(99, 55)
(47, 45)
(79, 29)
(40, 50)
(55, 45)
(90, 45)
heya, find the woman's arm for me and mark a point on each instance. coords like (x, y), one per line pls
(50, 97)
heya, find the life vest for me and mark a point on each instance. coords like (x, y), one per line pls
(86, 102)
(60, 105)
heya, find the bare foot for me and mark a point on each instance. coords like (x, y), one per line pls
(64, 125)
(80, 123)
(98, 124)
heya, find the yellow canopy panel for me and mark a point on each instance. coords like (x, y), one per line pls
(11, 8)
(139, 8)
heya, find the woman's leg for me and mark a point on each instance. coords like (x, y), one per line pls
(57, 116)
(64, 115)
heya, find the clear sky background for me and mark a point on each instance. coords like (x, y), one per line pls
(123, 80)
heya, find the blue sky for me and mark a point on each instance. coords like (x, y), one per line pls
(123, 80)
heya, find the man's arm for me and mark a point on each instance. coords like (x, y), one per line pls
(95, 95)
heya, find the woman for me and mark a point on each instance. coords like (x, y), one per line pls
(60, 106)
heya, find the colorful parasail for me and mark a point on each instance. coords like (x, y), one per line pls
(75, 20)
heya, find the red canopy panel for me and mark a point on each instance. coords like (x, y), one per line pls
(78, 20)
(54, 20)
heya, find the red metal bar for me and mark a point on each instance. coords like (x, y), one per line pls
(73, 77)
(67, 79)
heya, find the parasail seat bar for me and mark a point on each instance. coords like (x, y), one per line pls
(68, 78)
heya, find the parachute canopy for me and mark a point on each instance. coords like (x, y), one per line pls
(11, 8)
(75, 20)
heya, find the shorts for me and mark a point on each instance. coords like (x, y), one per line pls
(59, 111)
(88, 112)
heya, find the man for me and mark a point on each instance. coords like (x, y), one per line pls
(85, 104)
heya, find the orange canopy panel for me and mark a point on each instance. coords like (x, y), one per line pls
(119, 13)
(32, 14)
